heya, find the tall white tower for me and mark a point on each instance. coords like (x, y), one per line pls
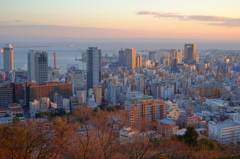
(8, 58)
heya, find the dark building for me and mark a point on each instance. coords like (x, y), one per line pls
(7, 94)
(19, 91)
(47, 89)
(93, 67)
(121, 57)
(190, 53)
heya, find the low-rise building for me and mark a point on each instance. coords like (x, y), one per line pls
(225, 132)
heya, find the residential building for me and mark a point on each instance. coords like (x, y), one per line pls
(166, 127)
(47, 89)
(144, 111)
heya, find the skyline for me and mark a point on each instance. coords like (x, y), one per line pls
(214, 20)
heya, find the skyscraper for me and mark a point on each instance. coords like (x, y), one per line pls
(8, 58)
(176, 54)
(139, 61)
(121, 57)
(190, 51)
(93, 67)
(130, 57)
(37, 66)
(152, 55)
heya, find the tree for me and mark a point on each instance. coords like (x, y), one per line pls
(62, 112)
(209, 144)
(190, 136)
(16, 120)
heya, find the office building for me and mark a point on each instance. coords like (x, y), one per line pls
(37, 66)
(225, 132)
(176, 54)
(190, 51)
(8, 58)
(47, 89)
(121, 57)
(111, 92)
(152, 55)
(93, 67)
(130, 58)
(7, 94)
(139, 61)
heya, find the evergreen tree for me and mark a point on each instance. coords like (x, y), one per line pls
(191, 136)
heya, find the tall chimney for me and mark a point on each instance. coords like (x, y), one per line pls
(55, 60)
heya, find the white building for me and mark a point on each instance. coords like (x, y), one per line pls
(8, 58)
(37, 66)
(225, 132)
(41, 105)
(173, 111)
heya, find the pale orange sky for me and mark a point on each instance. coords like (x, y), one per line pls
(212, 20)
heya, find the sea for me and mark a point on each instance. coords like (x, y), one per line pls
(67, 53)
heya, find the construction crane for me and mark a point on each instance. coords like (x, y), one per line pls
(83, 54)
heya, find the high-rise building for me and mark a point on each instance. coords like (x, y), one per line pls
(93, 67)
(8, 58)
(111, 92)
(130, 57)
(37, 66)
(7, 94)
(97, 92)
(190, 51)
(152, 55)
(176, 54)
(139, 61)
(121, 57)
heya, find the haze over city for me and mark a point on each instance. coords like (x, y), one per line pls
(111, 79)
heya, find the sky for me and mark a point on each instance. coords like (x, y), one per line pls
(185, 19)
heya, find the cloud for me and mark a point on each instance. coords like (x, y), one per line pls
(10, 21)
(215, 20)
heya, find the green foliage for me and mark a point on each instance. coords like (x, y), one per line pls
(60, 112)
(42, 115)
(16, 120)
(19, 114)
(208, 143)
(113, 108)
(190, 136)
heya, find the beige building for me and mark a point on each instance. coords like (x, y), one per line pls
(143, 111)
(97, 92)
(139, 61)
(166, 127)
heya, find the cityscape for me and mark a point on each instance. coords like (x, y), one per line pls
(97, 91)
